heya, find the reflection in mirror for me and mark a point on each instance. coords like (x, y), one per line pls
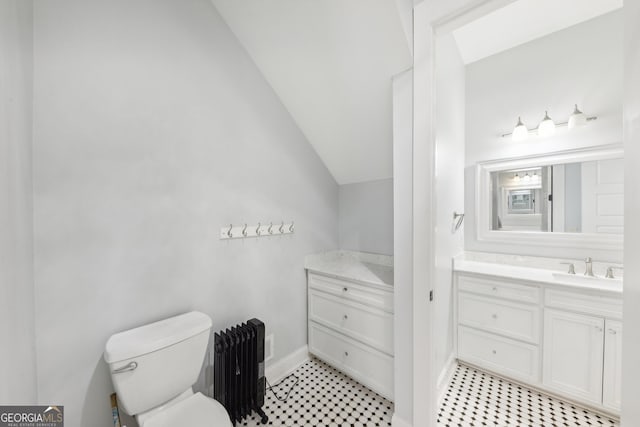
(585, 197)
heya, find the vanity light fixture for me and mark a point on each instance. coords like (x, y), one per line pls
(527, 177)
(516, 178)
(520, 132)
(547, 126)
(578, 118)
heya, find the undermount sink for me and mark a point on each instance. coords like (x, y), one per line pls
(580, 279)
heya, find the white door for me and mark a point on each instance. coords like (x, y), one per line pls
(573, 355)
(603, 196)
(612, 376)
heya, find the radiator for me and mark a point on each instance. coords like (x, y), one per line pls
(239, 382)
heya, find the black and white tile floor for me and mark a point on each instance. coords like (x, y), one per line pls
(328, 398)
(325, 397)
(475, 398)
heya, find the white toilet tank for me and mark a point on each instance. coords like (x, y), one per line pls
(154, 363)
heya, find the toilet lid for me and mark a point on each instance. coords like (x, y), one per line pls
(195, 411)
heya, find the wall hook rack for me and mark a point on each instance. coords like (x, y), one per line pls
(246, 230)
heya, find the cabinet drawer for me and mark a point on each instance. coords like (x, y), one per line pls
(370, 325)
(366, 365)
(519, 321)
(363, 294)
(499, 354)
(583, 302)
(498, 288)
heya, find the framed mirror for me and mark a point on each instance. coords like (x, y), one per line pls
(571, 198)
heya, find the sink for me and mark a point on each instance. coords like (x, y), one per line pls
(580, 279)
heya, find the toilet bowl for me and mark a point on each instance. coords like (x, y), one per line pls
(154, 367)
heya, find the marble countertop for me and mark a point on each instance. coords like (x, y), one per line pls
(536, 269)
(358, 266)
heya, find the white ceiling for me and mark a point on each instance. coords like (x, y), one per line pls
(523, 21)
(331, 64)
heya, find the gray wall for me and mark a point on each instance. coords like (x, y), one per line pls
(152, 129)
(366, 216)
(17, 352)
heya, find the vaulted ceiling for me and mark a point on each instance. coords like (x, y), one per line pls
(522, 21)
(331, 63)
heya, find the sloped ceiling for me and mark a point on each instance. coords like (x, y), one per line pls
(523, 21)
(331, 63)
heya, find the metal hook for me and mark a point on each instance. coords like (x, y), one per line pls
(291, 227)
(459, 217)
(258, 230)
(229, 233)
(281, 228)
(244, 231)
(270, 229)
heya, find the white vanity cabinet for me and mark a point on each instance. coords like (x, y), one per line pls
(565, 340)
(351, 328)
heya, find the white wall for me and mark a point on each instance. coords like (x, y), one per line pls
(583, 65)
(17, 351)
(366, 216)
(631, 336)
(403, 248)
(449, 188)
(152, 129)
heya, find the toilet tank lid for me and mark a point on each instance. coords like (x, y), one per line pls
(155, 336)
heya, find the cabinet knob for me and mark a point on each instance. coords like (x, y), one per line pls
(598, 328)
(612, 331)
(495, 316)
(346, 317)
(345, 289)
(346, 353)
(494, 289)
(494, 352)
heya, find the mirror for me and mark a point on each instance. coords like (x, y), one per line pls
(581, 197)
(576, 196)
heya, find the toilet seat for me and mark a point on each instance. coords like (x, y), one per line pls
(194, 411)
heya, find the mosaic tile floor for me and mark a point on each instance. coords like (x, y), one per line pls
(324, 397)
(327, 397)
(475, 398)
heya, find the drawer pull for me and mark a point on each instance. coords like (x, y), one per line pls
(612, 331)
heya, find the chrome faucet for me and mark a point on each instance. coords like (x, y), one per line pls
(610, 272)
(589, 267)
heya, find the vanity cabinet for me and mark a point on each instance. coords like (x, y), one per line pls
(351, 328)
(573, 354)
(564, 340)
(612, 376)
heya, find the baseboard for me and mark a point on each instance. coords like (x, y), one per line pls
(445, 377)
(396, 421)
(278, 370)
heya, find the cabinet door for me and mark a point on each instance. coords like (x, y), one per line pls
(573, 355)
(612, 377)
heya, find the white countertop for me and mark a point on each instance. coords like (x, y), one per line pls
(359, 266)
(536, 269)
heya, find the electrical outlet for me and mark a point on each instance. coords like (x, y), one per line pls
(268, 347)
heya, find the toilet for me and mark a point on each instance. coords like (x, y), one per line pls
(154, 367)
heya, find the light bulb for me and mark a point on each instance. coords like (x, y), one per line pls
(527, 177)
(547, 127)
(520, 132)
(516, 177)
(578, 118)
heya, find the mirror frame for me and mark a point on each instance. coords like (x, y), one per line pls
(540, 238)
